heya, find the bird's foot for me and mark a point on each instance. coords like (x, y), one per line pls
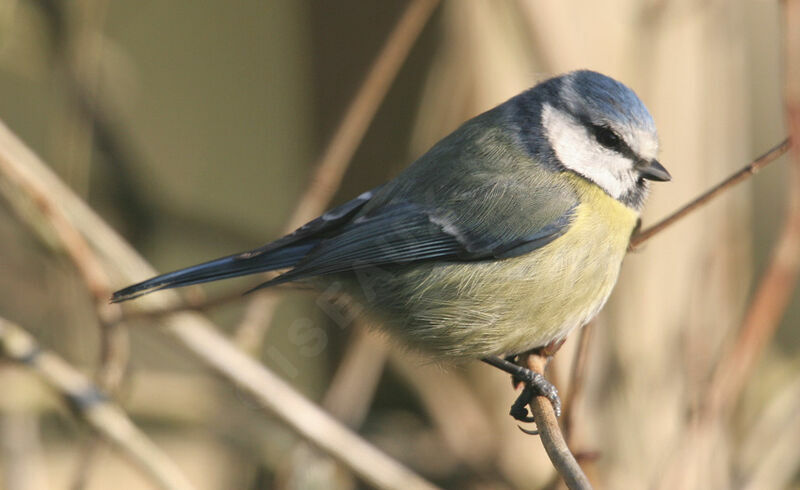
(534, 384)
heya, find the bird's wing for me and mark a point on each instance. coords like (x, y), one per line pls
(495, 221)
(280, 254)
(491, 220)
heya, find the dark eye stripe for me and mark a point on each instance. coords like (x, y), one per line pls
(608, 138)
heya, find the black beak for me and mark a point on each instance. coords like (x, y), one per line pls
(653, 170)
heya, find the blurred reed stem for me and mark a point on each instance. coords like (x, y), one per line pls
(90, 404)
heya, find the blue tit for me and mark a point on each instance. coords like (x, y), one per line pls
(505, 236)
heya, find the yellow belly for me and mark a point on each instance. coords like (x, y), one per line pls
(513, 305)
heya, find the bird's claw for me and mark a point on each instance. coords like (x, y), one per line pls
(519, 410)
(535, 385)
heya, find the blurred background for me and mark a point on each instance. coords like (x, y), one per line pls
(193, 128)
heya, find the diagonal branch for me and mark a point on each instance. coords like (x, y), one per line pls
(748, 171)
(47, 213)
(91, 405)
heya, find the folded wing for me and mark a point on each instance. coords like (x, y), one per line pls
(498, 222)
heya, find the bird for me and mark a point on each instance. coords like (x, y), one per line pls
(505, 236)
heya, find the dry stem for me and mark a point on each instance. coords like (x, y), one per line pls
(748, 171)
(89, 403)
(113, 335)
(550, 433)
(772, 295)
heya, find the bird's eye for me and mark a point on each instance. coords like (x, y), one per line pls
(607, 137)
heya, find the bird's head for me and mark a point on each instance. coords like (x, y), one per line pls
(598, 128)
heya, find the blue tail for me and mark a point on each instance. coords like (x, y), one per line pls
(242, 264)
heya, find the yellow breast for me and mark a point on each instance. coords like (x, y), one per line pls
(574, 275)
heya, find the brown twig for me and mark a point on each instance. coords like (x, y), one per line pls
(199, 335)
(77, 46)
(550, 433)
(334, 161)
(331, 166)
(748, 171)
(114, 339)
(91, 405)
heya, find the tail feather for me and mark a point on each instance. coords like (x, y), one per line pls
(224, 268)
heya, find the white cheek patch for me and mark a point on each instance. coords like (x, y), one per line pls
(580, 152)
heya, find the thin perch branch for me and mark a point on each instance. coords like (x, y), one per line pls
(91, 405)
(550, 433)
